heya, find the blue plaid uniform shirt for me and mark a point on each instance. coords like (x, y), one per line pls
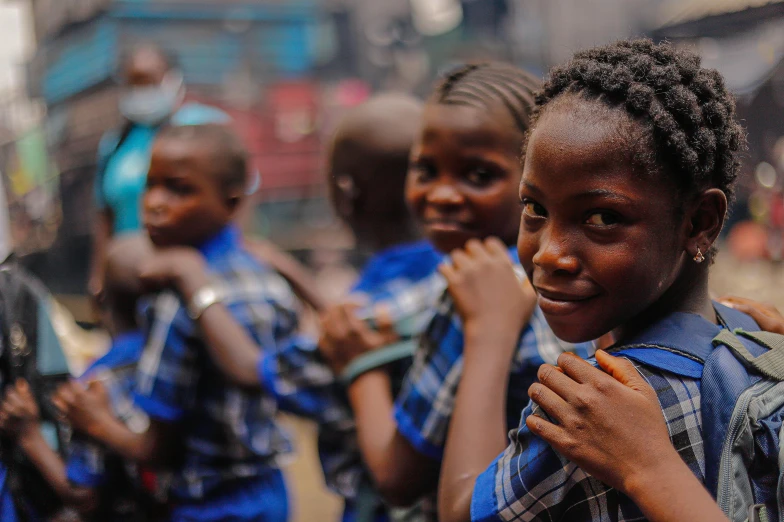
(228, 432)
(404, 281)
(89, 463)
(531, 481)
(425, 404)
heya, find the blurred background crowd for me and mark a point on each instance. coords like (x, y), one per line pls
(284, 71)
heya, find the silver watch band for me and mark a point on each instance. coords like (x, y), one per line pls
(204, 298)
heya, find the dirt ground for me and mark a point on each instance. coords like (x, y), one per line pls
(310, 500)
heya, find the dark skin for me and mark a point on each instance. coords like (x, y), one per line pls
(144, 67)
(20, 420)
(462, 186)
(634, 457)
(370, 148)
(464, 175)
(605, 249)
(366, 171)
(19, 414)
(184, 204)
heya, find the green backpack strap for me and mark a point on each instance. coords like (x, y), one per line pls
(377, 358)
(769, 364)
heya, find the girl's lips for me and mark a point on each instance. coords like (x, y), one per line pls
(558, 304)
(445, 226)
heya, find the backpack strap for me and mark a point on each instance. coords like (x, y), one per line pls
(770, 363)
(377, 358)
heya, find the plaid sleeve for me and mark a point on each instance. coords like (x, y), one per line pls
(303, 385)
(530, 481)
(167, 373)
(425, 403)
(86, 463)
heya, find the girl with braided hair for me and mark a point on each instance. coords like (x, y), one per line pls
(462, 187)
(628, 172)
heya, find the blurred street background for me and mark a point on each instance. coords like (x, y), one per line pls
(286, 69)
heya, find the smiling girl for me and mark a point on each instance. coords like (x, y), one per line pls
(628, 171)
(462, 187)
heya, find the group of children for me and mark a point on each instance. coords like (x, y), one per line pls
(604, 229)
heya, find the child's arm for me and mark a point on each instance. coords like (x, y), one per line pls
(632, 453)
(89, 412)
(400, 472)
(19, 418)
(297, 275)
(494, 308)
(232, 350)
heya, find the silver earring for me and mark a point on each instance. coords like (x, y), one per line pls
(699, 258)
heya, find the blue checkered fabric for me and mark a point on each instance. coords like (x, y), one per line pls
(424, 407)
(228, 432)
(530, 481)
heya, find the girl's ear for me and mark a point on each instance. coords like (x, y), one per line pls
(707, 215)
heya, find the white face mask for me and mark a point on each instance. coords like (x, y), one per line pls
(151, 105)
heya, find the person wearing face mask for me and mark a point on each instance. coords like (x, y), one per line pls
(152, 97)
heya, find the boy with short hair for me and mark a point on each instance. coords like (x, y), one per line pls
(225, 463)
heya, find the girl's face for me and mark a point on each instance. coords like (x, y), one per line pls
(464, 174)
(600, 243)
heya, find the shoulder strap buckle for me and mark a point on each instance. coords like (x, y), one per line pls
(770, 364)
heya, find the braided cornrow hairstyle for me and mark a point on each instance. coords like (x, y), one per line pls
(484, 84)
(686, 111)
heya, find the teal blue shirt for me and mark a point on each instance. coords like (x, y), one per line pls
(122, 171)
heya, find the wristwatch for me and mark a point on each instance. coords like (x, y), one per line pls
(204, 298)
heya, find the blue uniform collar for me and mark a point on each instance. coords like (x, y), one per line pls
(227, 239)
(126, 350)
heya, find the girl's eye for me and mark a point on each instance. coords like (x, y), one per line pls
(179, 188)
(480, 177)
(603, 219)
(423, 172)
(534, 210)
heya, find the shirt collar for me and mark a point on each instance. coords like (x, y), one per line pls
(227, 239)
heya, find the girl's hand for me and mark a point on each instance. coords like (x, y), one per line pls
(19, 414)
(766, 315)
(610, 425)
(344, 336)
(181, 268)
(487, 293)
(87, 408)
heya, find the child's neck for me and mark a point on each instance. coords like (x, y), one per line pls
(374, 237)
(689, 294)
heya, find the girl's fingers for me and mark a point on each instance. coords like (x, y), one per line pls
(625, 373)
(459, 259)
(496, 246)
(545, 429)
(476, 249)
(448, 271)
(549, 401)
(764, 317)
(558, 382)
(578, 369)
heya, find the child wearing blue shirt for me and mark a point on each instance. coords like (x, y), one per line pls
(462, 186)
(124, 490)
(100, 485)
(368, 163)
(219, 439)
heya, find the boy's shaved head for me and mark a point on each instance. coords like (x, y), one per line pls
(368, 161)
(229, 157)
